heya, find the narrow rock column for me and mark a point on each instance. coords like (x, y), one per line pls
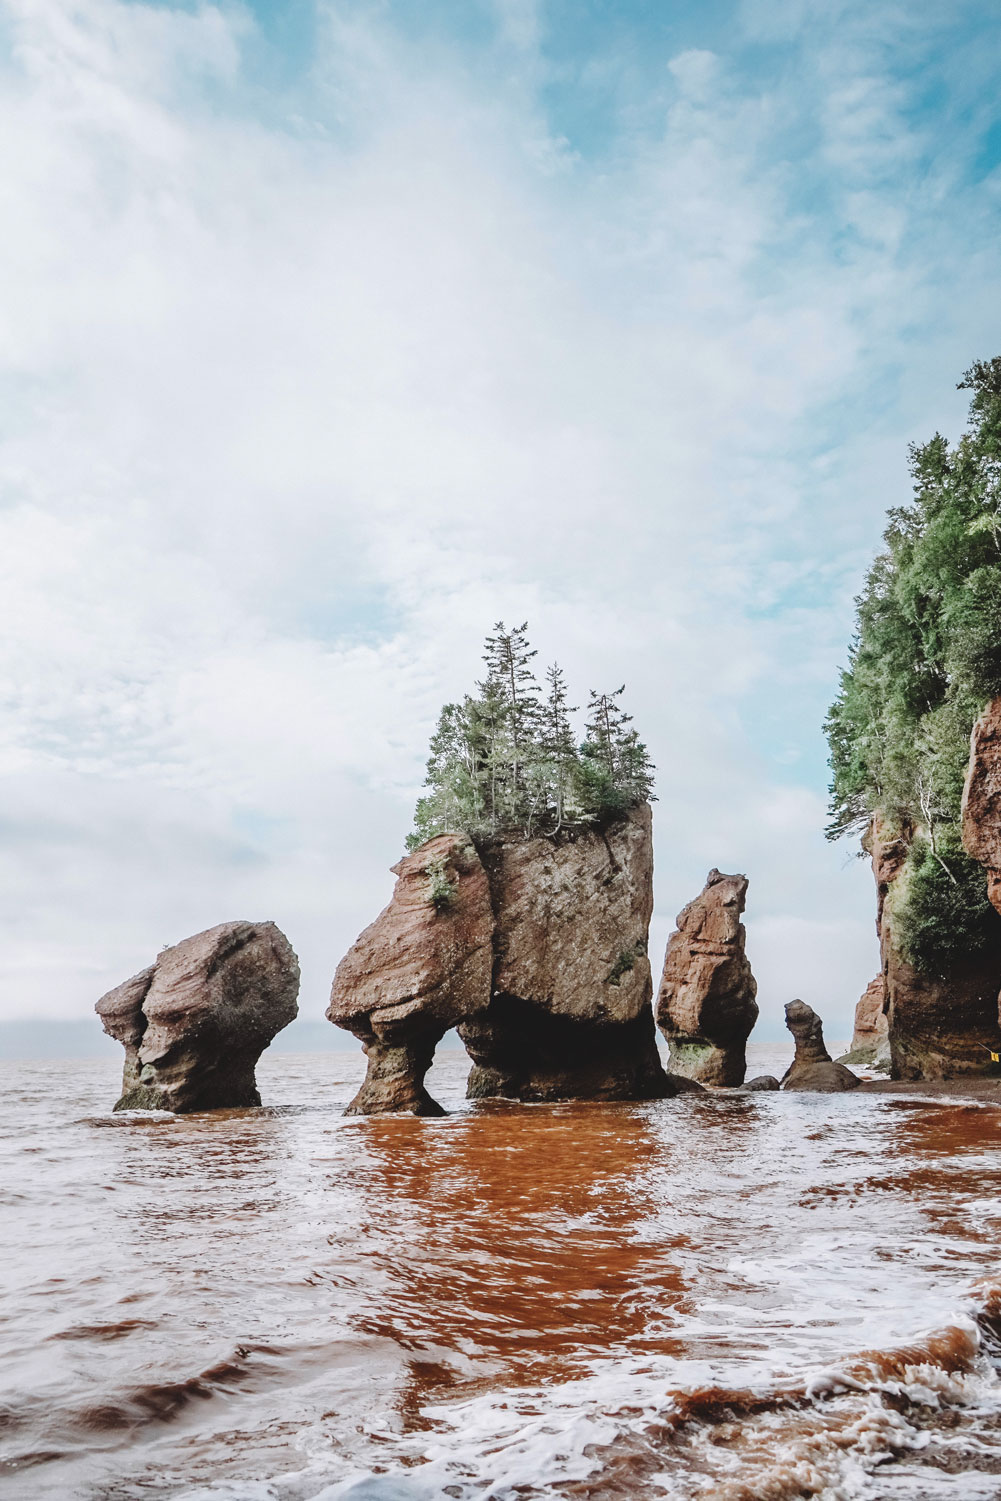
(706, 1007)
(813, 1068)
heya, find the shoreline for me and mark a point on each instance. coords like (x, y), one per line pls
(977, 1088)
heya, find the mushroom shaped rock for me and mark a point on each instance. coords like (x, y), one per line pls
(570, 1014)
(195, 1023)
(982, 798)
(423, 965)
(706, 1007)
(813, 1068)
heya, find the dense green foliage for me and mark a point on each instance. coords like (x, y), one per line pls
(925, 660)
(508, 757)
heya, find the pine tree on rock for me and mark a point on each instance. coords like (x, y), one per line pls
(508, 759)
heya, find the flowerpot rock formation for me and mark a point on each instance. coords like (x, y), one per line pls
(706, 1007)
(423, 965)
(195, 1022)
(940, 1026)
(982, 798)
(813, 1068)
(538, 957)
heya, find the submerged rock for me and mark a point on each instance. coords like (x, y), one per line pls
(569, 1014)
(706, 1007)
(940, 1026)
(423, 965)
(195, 1023)
(813, 1068)
(982, 798)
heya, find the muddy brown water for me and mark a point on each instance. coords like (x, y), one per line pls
(746, 1298)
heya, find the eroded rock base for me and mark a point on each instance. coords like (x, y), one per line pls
(694, 1058)
(394, 1081)
(521, 1052)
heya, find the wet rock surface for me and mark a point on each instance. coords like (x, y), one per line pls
(939, 1026)
(762, 1082)
(813, 1068)
(706, 1005)
(423, 965)
(195, 1022)
(982, 798)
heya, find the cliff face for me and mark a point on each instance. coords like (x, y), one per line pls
(539, 959)
(194, 1024)
(706, 1007)
(939, 1026)
(982, 798)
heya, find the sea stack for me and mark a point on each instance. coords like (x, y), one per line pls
(534, 948)
(706, 1006)
(813, 1068)
(195, 1022)
(423, 965)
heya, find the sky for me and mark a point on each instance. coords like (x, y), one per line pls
(334, 332)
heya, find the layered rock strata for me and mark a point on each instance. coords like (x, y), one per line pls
(939, 1026)
(706, 1005)
(813, 1067)
(195, 1022)
(423, 965)
(538, 957)
(982, 798)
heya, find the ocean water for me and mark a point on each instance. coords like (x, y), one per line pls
(742, 1297)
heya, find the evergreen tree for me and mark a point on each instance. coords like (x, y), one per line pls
(508, 758)
(925, 660)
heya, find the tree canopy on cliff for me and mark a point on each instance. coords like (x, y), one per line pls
(508, 757)
(925, 660)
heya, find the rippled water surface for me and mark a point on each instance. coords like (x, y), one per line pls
(733, 1296)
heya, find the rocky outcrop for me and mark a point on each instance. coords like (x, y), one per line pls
(982, 798)
(762, 1083)
(940, 1026)
(813, 1068)
(195, 1023)
(870, 1046)
(538, 957)
(706, 1007)
(569, 1014)
(423, 965)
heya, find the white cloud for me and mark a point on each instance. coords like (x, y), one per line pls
(301, 399)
